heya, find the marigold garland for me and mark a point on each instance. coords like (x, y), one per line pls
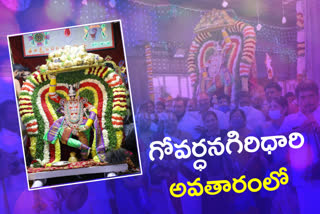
(93, 147)
(32, 148)
(119, 138)
(57, 151)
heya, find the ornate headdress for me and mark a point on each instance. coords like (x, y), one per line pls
(73, 88)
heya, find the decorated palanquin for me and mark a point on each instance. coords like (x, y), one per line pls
(80, 106)
(222, 54)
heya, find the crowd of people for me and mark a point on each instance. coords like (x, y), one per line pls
(211, 117)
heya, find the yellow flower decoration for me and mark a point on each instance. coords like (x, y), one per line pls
(93, 151)
(32, 147)
(119, 135)
(57, 151)
(96, 159)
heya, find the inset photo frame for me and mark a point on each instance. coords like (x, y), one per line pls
(74, 104)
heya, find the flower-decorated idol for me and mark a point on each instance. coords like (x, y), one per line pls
(73, 129)
(83, 107)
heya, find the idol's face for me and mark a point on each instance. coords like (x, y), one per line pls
(72, 98)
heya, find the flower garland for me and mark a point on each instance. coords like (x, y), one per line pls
(46, 154)
(57, 151)
(83, 92)
(119, 138)
(32, 119)
(94, 144)
(98, 91)
(119, 102)
(39, 101)
(32, 148)
(25, 104)
(105, 136)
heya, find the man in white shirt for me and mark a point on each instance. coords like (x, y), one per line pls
(305, 165)
(191, 121)
(187, 120)
(255, 118)
(308, 116)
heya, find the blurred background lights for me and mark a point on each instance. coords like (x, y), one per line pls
(9, 25)
(112, 3)
(94, 11)
(58, 10)
(16, 5)
(6, 74)
(225, 4)
(284, 20)
(258, 27)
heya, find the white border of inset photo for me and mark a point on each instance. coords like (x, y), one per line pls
(132, 108)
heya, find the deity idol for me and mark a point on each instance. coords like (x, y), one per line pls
(73, 129)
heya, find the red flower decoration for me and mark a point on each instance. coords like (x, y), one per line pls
(67, 32)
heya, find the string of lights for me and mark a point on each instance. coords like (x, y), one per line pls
(145, 19)
(163, 10)
(168, 5)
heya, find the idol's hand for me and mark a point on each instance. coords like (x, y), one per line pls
(82, 128)
(52, 76)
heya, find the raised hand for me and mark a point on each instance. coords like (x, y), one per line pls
(82, 128)
(52, 76)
